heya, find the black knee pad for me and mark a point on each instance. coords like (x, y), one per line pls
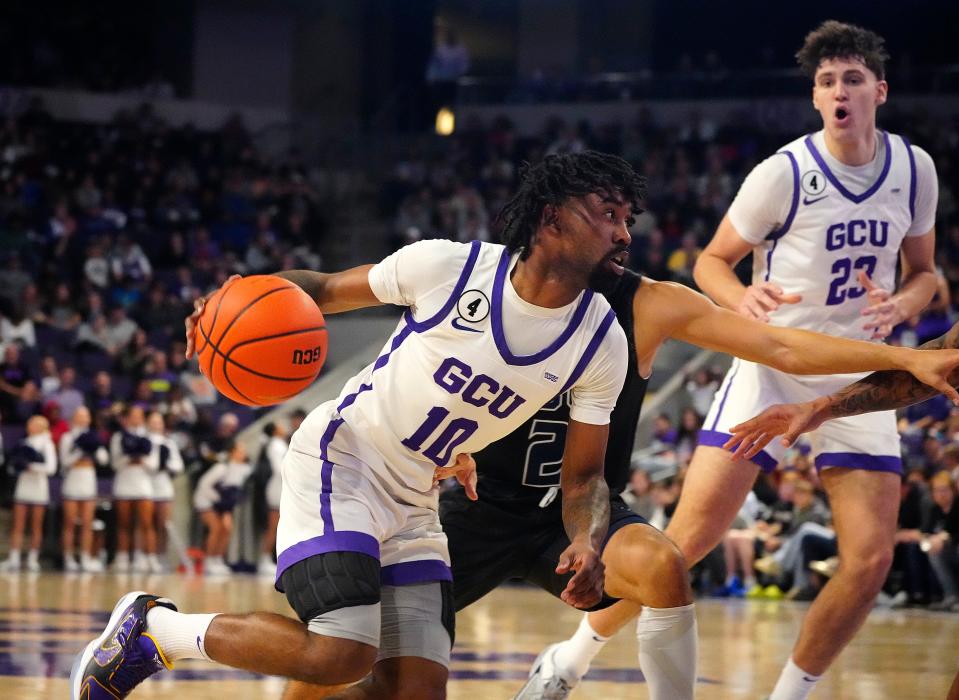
(326, 582)
(449, 609)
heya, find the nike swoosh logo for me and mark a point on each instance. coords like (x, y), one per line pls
(457, 326)
(809, 680)
(806, 200)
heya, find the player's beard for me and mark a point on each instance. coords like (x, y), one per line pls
(602, 279)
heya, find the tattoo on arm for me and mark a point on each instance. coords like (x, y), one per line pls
(586, 510)
(882, 391)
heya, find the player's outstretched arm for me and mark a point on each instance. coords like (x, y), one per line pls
(335, 292)
(332, 292)
(585, 512)
(681, 313)
(880, 391)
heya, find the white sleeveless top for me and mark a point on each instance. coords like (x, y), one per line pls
(468, 363)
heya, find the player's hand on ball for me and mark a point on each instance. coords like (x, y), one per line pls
(789, 420)
(585, 588)
(192, 319)
(883, 309)
(763, 298)
(464, 469)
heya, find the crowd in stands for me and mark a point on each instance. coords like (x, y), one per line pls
(107, 235)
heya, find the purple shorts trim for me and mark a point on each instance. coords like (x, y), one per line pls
(339, 541)
(714, 438)
(857, 460)
(408, 572)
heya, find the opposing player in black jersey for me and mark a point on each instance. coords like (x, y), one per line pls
(515, 527)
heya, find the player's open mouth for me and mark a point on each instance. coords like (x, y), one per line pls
(842, 115)
(617, 262)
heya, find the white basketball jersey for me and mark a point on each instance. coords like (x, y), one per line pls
(448, 379)
(831, 234)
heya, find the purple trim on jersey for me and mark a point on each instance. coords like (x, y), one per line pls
(422, 571)
(722, 401)
(856, 198)
(769, 259)
(343, 541)
(858, 460)
(326, 476)
(590, 351)
(774, 236)
(381, 362)
(714, 438)
(499, 334)
(794, 205)
(912, 178)
(421, 326)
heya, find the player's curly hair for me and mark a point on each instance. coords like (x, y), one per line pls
(557, 178)
(834, 39)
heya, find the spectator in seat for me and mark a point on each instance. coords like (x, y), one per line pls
(15, 381)
(67, 395)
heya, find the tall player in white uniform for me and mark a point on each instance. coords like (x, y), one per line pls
(489, 336)
(825, 218)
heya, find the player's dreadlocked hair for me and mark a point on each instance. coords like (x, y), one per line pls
(556, 179)
(834, 39)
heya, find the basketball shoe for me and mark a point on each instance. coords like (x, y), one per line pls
(123, 656)
(545, 681)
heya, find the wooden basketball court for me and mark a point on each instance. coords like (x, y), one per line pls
(46, 618)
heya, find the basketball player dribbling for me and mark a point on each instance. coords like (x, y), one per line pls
(847, 201)
(491, 333)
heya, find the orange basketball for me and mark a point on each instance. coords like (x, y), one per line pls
(261, 340)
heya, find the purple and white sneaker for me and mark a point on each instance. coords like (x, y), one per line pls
(114, 663)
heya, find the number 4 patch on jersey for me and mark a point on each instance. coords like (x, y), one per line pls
(473, 306)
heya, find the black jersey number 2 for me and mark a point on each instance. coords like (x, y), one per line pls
(544, 456)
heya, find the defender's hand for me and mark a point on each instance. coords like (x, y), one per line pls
(762, 298)
(585, 589)
(191, 320)
(883, 309)
(464, 469)
(788, 420)
(934, 368)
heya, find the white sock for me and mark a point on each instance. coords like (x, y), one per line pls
(749, 582)
(576, 653)
(179, 636)
(794, 683)
(668, 651)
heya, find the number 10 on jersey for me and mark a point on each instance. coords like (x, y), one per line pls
(454, 433)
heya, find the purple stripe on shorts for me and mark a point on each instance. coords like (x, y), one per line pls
(326, 476)
(342, 541)
(722, 402)
(858, 460)
(713, 438)
(420, 571)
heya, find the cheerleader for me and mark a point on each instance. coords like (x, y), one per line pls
(135, 461)
(81, 452)
(170, 464)
(274, 451)
(35, 461)
(217, 493)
